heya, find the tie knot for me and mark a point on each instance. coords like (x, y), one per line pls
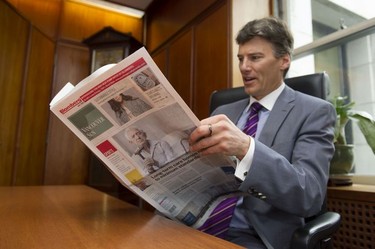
(252, 120)
(255, 107)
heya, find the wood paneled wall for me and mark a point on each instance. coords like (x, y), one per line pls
(26, 67)
(166, 17)
(43, 14)
(180, 65)
(12, 56)
(34, 111)
(41, 50)
(211, 63)
(193, 52)
(67, 157)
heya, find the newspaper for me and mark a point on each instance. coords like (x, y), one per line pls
(130, 116)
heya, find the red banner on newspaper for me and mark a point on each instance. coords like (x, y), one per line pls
(113, 79)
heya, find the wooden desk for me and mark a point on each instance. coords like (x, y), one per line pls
(82, 217)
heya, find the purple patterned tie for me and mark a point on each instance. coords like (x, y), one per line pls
(218, 222)
(252, 121)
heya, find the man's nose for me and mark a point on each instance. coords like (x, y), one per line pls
(245, 65)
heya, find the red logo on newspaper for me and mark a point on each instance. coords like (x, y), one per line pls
(70, 106)
(106, 148)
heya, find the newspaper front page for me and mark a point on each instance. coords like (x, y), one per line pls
(130, 116)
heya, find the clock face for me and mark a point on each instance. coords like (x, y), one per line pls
(104, 56)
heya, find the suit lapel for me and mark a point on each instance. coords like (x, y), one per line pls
(283, 105)
(236, 112)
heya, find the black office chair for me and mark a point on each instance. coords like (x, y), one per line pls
(318, 230)
(314, 84)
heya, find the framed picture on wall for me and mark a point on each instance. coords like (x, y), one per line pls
(110, 46)
(104, 56)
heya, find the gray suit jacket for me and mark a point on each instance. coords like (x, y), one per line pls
(288, 177)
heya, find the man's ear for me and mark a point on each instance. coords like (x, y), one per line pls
(285, 62)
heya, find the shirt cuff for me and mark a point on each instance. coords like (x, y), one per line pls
(244, 165)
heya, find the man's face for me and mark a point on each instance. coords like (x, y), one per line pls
(261, 71)
(137, 137)
(118, 98)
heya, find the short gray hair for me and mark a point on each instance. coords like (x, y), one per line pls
(271, 29)
(131, 129)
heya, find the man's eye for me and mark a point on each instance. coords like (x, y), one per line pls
(255, 57)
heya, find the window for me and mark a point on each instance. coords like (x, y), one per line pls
(338, 36)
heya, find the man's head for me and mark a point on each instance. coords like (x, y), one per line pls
(264, 53)
(118, 98)
(136, 136)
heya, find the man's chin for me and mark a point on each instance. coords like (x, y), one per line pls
(250, 90)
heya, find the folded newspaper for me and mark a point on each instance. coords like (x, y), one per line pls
(130, 116)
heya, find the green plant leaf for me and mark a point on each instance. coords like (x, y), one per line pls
(367, 125)
(342, 107)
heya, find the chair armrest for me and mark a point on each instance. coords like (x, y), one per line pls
(321, 228)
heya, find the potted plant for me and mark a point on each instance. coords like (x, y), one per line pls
(342, 161)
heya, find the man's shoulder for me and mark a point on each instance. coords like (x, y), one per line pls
(311, 100)
(236, 105)
(305, 103)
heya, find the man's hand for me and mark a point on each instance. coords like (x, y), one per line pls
(149, 162)
(225, 137)
(150, 165)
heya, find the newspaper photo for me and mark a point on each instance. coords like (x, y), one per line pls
(130, 116)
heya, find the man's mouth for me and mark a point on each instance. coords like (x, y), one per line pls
(248, 79)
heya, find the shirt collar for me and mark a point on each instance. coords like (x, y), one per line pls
(269, 100)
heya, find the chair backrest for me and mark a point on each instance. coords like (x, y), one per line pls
(313, 84)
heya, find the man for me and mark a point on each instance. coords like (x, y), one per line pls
(284, 168)
(153, 154)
